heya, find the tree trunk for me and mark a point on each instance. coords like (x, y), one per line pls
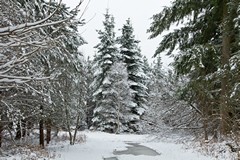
(49, 129)
(21, 129)
(76, 128)
(89, 113)
(1, 130)
(118, 119)
(205, 126)
(41, 129)
(68, 125)
(226, 52)
(205, 115)
(24, 127)
(29, 126)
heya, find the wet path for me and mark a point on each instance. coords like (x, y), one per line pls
(134, 149)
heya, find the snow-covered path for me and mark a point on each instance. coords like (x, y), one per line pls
(101, 146)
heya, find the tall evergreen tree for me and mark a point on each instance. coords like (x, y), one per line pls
(207, 42)
(131, 56)
(103, 113)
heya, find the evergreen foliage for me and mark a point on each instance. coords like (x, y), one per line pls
(207, 43)
(103, 61)
(131, 56)
(107, 96)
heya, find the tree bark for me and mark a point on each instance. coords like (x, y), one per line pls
(49, 129)
(205, 115)
(29, 126)
(76, 128)
(68, 125)
(21, 129)
(41, 129)
(205, 126)
(118, 119)
(226, 52)
(1, 136)
(24, 127)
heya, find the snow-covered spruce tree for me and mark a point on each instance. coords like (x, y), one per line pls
(131, 56)
(117, 97)
(103, 113)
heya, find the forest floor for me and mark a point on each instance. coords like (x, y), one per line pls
(104, 146)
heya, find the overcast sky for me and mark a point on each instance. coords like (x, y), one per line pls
(139, 11)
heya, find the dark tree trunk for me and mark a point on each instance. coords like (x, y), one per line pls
(205, 126)
(49, 129)
(24, 122)
(89, 113)
(21, 129)
(68, 125)
(1, 130)
(19, 132)
(225, 109)
(41, 129)
(76, 129)
(29, 126)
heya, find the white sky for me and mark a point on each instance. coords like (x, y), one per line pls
(139, 11)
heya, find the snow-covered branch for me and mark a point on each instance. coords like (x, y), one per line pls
(28, 26)
(32, 37)
(6, 66)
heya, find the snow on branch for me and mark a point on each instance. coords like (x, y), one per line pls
(29, 26)
(25, 37)
(23, 28)
(5, 67)
(9, 78)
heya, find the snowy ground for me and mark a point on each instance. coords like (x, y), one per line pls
(99, 146)
(104, 146)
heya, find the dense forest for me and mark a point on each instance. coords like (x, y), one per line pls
(47, 85)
